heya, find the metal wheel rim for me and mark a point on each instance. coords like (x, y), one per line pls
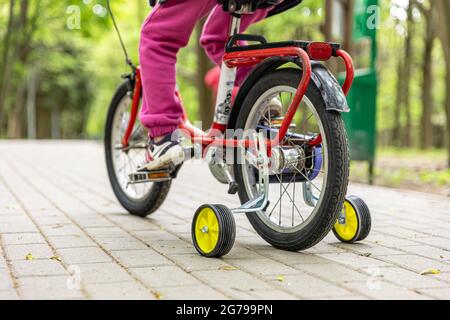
(251, 191)
(125, 163)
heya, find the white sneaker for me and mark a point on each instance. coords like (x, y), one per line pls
(164, 154)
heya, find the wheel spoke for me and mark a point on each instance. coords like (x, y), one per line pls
(308, 126)
(308, 180)
(122, 168)
(125, 159)
(286, 191)
(293, 203)
(281, 197)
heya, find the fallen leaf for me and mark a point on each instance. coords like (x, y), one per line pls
(159, 296)
(29, 256)
(56, 258)
(430, 272)
(280, 278)
(367, 255)
(227, 268)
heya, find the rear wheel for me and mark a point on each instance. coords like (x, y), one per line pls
(141, 199)
(306, 199)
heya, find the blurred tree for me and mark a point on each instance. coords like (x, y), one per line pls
(349, 6)
(69, 71)
(23, 30)
(37, 30)
(16, 48)
(430, 35)
(328, 24)
(5, 67)
(443, 12)
(406, 76)
(402, 134)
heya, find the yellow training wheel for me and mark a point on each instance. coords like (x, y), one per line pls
(354, 222)
(213, 230)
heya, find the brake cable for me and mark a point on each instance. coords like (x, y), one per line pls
(124, 49)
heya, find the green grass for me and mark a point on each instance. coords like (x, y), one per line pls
(440, 154)
(408, 169)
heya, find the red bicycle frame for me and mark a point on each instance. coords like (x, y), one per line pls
(316, 51)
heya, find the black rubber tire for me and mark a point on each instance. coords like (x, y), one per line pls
(364, 220)
(338, 155)
(159, 191)
(227, 231)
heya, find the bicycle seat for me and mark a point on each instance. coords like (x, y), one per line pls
(236, 5)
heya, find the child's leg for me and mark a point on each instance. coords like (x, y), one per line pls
(166, 30)
(215, 35)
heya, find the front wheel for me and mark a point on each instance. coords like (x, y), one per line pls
(306, 195)
(139, 199)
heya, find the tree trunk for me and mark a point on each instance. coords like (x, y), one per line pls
(443, 13)
(15, 119)
(427, 88)
(328, 26)
(348, 27)
(204, 93)
(55, 123)
(6, 67)
(18, 52)
(32, 82)
(447, 109)
(406, 78)
(396, 132)
(427, 97)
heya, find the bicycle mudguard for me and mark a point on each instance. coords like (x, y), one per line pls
(329, 87)
(331, 90)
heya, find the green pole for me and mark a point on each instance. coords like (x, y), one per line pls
(374, 35)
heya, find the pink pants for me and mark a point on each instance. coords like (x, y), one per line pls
(166, 30)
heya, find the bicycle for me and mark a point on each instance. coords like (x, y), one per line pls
(291, 137)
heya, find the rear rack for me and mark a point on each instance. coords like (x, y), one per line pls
(233, 44)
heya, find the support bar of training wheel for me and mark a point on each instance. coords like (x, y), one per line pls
(262, 163)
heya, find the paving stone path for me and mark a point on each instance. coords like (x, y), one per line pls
(64, 236)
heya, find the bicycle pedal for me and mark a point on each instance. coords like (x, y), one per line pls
(150, 176)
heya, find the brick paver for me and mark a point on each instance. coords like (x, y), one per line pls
(64, 236)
